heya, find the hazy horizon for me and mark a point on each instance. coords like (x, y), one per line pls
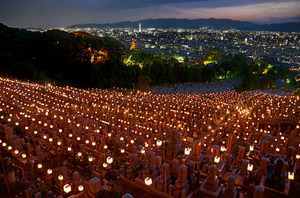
(57, 13)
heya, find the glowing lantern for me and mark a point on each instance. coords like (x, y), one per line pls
(251, 148)
(80, 188)
(79, 154)
(109, 159)
(67, 188)
(122, 150)
(187, 151)
(39, 166)
(223, 148)
(24, 155)
(148, 181)
(105, 146)
(104, 165)
(49, 171)
(90, 159)
(60, 177)
(250, 167)
(291, 175)
(159, 143)
(217, 159)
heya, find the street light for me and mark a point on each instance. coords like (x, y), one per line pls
(60, 178)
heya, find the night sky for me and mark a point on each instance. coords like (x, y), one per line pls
(62, 13)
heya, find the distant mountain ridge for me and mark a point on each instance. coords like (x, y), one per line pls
(197, 23)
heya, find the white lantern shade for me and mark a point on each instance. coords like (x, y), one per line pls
(67, 188)
(291, 175)
(250, 167)
(187, 151)
(148, 181)
(217, 159)
(60, 177)
(159, 142)
(80, 188)
(49, 171)
(251, 148)
(109, 159)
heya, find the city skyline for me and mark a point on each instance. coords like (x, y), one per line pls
(55, 14)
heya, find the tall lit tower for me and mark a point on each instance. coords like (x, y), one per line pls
(140, 27)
